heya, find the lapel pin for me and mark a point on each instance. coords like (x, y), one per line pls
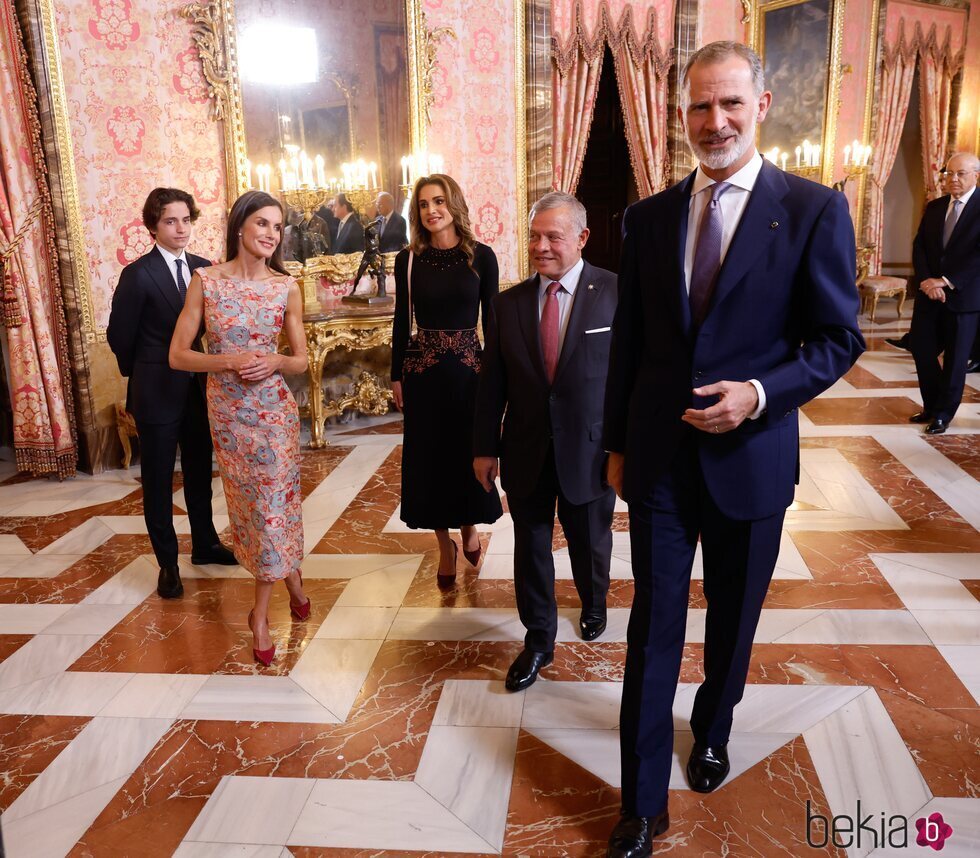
(591, 287)
(774, 224)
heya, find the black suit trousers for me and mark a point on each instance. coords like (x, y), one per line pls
(739, 558)
(588, 530)
(936, 331)
(158, 456)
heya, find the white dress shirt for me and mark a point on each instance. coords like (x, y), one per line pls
(565, 296)
(963, 200)
(171, 261)
(733, 202)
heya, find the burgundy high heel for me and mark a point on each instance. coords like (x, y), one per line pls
(301, 612)
(262, 656)
(448, 580)
(473, 557)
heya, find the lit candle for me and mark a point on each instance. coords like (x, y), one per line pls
(374, 175)
(816, 156)
(797, 157)
(248, 172)
(847, 155)
(784, 156)
(321, 175)
(282, 173)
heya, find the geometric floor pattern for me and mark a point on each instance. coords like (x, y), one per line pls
(134, 726)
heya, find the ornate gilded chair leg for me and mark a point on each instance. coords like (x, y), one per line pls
(127, 447)
(874, 307)
(901, 303)
(317, 417)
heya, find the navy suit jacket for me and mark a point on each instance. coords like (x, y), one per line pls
(567, 412)
(145, 307)
(783, 312)
(959, 262)
(395, 236)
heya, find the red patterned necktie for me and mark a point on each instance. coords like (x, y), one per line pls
(549, 331)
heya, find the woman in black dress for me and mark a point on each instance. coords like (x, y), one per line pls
(442, 281)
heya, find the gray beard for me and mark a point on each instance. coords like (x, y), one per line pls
(723, 160)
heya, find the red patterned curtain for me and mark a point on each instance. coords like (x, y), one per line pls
(642, 65)
(937, 68)
(33, 315)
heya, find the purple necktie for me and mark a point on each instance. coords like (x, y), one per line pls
(549, 331)
(707, 255)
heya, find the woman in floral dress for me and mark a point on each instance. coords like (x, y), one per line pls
(244, 303)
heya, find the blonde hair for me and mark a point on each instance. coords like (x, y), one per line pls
(456, 203)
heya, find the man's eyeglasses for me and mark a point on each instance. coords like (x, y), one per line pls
(959, 174)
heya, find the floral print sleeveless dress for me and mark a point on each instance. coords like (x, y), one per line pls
(255, 426)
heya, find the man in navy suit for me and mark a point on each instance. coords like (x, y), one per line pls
(394, 230)
(350, 232)
(737, 305)
(168, 404)
(946, 259)
(545, 364)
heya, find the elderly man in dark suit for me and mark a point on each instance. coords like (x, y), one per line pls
(946, 259)
(545, 365)
(168, 405)
(737, 306)
(394, 230)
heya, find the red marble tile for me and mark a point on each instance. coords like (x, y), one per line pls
(28, 744)
(395, 427)
(9, 644)
(848, 411)
(962, 450)
(973, 587)
(207, 631)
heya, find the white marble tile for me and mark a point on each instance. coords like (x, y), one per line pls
(43, 656)
(478, 703)
(926, 590)
(385, 588)
(501, 566)
(955, 628)
(28, 619)
(859, 627)
(88, 620)
(348, 814)
(333, 671)
(495, 624)
(189, 849)
(88, 536)
(356, 624)
(960, 814)
(37, 565)
(129, 586)
(890, 366)
(128, 524)
(69, 693)
(787, 708)
(255, 810)
(580, 705)
(255, 698)
(106, 749)
(154, 695)
(773, 622)
(53, 831)
(965, 662)
(596, 751)
(353, 565)
(959, 567)
(859, 755)
(469, 770)
(12, 545)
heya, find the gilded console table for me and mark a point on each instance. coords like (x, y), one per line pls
(333, 325)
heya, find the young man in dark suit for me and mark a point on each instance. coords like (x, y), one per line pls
(168, 405)
(350, 232)
(946, 259)
(737, 306)
(394, 231)
(545, 365)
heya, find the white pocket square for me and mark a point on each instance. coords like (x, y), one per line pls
(599, 330)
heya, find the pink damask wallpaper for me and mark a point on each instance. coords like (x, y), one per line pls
(139, 118)
(473, 117)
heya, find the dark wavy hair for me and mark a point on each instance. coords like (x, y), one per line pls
(158, 199)
(455, 202)
(245, 206)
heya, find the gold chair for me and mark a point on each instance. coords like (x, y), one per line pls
(876, 286)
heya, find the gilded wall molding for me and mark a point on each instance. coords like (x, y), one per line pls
(520, 129)
(430, 40)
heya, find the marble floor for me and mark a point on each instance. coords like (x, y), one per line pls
(134, 726)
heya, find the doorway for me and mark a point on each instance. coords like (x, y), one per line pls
(606, 186)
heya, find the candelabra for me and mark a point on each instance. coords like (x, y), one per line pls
(361, 198)
(307, 199)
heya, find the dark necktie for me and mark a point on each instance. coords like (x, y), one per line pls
(181, 285)
(951, 218)
(707, 255)
(549, 331)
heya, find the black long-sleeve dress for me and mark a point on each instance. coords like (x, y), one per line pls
(439, 379)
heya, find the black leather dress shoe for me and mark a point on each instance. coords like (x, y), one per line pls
(899, 342)
(168, 584)
(973, 366)
(216, 554)
(525, 669)
(921, 417)
(937, 427)
(633, 835)
(707, 767)
(591, 626)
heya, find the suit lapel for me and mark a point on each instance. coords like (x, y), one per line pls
(759, 225)
(679, 226)
(159, 272)
(527, 313)
(969, 212)
(586, 294)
